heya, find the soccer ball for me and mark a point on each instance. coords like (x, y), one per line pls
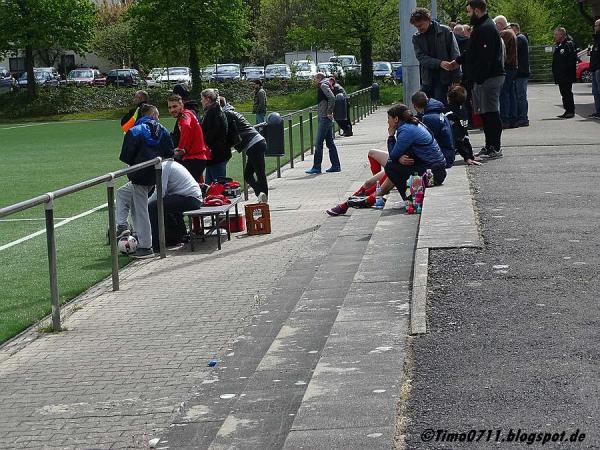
(127, 245)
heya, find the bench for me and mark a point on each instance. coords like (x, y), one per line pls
(216, 214)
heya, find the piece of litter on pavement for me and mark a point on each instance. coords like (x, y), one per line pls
(500, 266)
(152, 442)
(226, 396)
(212, 362)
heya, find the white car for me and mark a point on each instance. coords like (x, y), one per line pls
(207, 73)
(304, 69)
(344, 60)
(273, 71)
(329, 69)
(176, 75)
(153, 76)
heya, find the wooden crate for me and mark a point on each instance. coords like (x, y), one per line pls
(258, 219)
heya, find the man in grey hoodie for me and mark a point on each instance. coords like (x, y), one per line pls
(326, 103)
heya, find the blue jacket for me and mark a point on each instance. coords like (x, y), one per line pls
(146, 140)
(416, 141)
(438, 124)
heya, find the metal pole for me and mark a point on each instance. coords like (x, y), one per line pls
(160, 210)
(302, 138)
(290, 133)
(243, 177)
(311, 132)
(51, 243)
(434, 9)
(410, 65)
(112, 232)
(278, 166)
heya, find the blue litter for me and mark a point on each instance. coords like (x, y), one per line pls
(212, 362)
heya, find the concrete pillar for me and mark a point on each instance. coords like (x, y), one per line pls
(410, 65)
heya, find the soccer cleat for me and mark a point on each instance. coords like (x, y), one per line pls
(337, 210)
(358, 202)
(313, 171)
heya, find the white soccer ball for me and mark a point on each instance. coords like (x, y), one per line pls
(127, 245)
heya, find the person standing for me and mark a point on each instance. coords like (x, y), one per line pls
(146, 140)
(128, 120)
(522, 77)
(508, 94)
(259, 106)
(461, 39)
(483, 65)
(188, 138)
(564, 63)
(345, 125)
(214, 126)
(433, 44)
(595, 69)
(326, 103)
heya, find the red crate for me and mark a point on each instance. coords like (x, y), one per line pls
(258, 219)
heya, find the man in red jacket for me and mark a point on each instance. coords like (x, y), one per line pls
(188, 138)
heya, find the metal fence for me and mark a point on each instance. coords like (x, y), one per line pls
(361, 105)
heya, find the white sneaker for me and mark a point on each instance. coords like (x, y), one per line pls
(262, 198)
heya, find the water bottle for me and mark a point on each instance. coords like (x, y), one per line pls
(430, 180)
(379, 203)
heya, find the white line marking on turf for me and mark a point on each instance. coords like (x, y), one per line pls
(59, 224)
(50, 123)
(31, 220)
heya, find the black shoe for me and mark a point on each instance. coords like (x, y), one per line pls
(566, 115)
(493, 153)
(358, 202)
(483, 152)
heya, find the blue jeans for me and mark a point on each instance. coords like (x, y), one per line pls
(215, 171)
(522, 103)
(260, 118)
(325, 133)
(508, 98)
(596, 90)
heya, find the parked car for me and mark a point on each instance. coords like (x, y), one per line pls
(382, 70)
(101, 80)
(304, 69)
(252, 73)
(83, 77)
(44, 76)
(229, 72)
(282, 71)
(356, 68)
(176, 75)
(123, 77)
(7, 82)
(329, 69)
(153, 75)
(207, 73)
(344, 60)
(397, 70)
(582, 70)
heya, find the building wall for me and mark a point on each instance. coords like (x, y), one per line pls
(87, 60)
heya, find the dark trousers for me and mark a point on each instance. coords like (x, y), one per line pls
(566, 92)
(346, 125)
(399, 174)
(174, 206)
(438, 91)
(195, 167)
(254, 173)
(492, 128)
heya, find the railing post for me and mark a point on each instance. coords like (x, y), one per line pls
(311, 132)
(243, 177)
(51, 243)
(112, 232)
(160, 209)
(291, 139)
(302, 138)
(278, 166)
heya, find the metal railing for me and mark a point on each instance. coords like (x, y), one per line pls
(48, 201)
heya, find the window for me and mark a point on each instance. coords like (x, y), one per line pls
(16, 64)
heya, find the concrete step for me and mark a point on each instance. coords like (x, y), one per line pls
(258, 386)
(352, 397)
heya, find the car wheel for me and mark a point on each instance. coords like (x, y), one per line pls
(586, 76)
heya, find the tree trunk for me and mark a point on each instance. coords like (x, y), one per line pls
(31, 85)
(366, 59)
(195, 68)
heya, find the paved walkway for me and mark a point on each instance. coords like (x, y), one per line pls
(119, 374)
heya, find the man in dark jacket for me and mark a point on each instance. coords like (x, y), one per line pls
(595, 69)
(344, 124)
(146, 140)
(128, 120)
(522, 76)
(483, 65)
(564, 63)
(214, 126)
(434, 43)
(461, 39)
(259, 105)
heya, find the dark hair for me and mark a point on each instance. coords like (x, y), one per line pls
(457, 95)
(419, 99)
(402, 112)
(516, 25)
(148, 110)
(180, 90)
(175, 98)
(477, 4)
(259, 82)
(420, 15)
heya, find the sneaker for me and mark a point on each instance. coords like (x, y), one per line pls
(122, 231)
(337, 210)
(594, 116)
(358, 202)
(566, 115)
(523, 124)
(334, 169)
(483, 152)
(262, 198)
(494, 154)
(143, 253)
(313, 171)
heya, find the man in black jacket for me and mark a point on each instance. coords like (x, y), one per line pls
(214, 126)
(522, 77)
(146, 140)
(595, 69)
(433, 44)
(564, 63)
(483, 65)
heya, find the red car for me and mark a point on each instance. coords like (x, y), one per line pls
(583, 67)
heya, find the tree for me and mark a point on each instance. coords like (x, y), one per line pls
(38, 25)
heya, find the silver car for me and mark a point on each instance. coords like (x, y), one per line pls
(7, 82)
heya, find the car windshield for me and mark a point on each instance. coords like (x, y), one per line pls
(380, 66)
(345, 60)
(302, 66)
(254, 70)
(176, 71)
(209, 69)
(81, 74)
(228, 69)
(156, 72)
(39, 75)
